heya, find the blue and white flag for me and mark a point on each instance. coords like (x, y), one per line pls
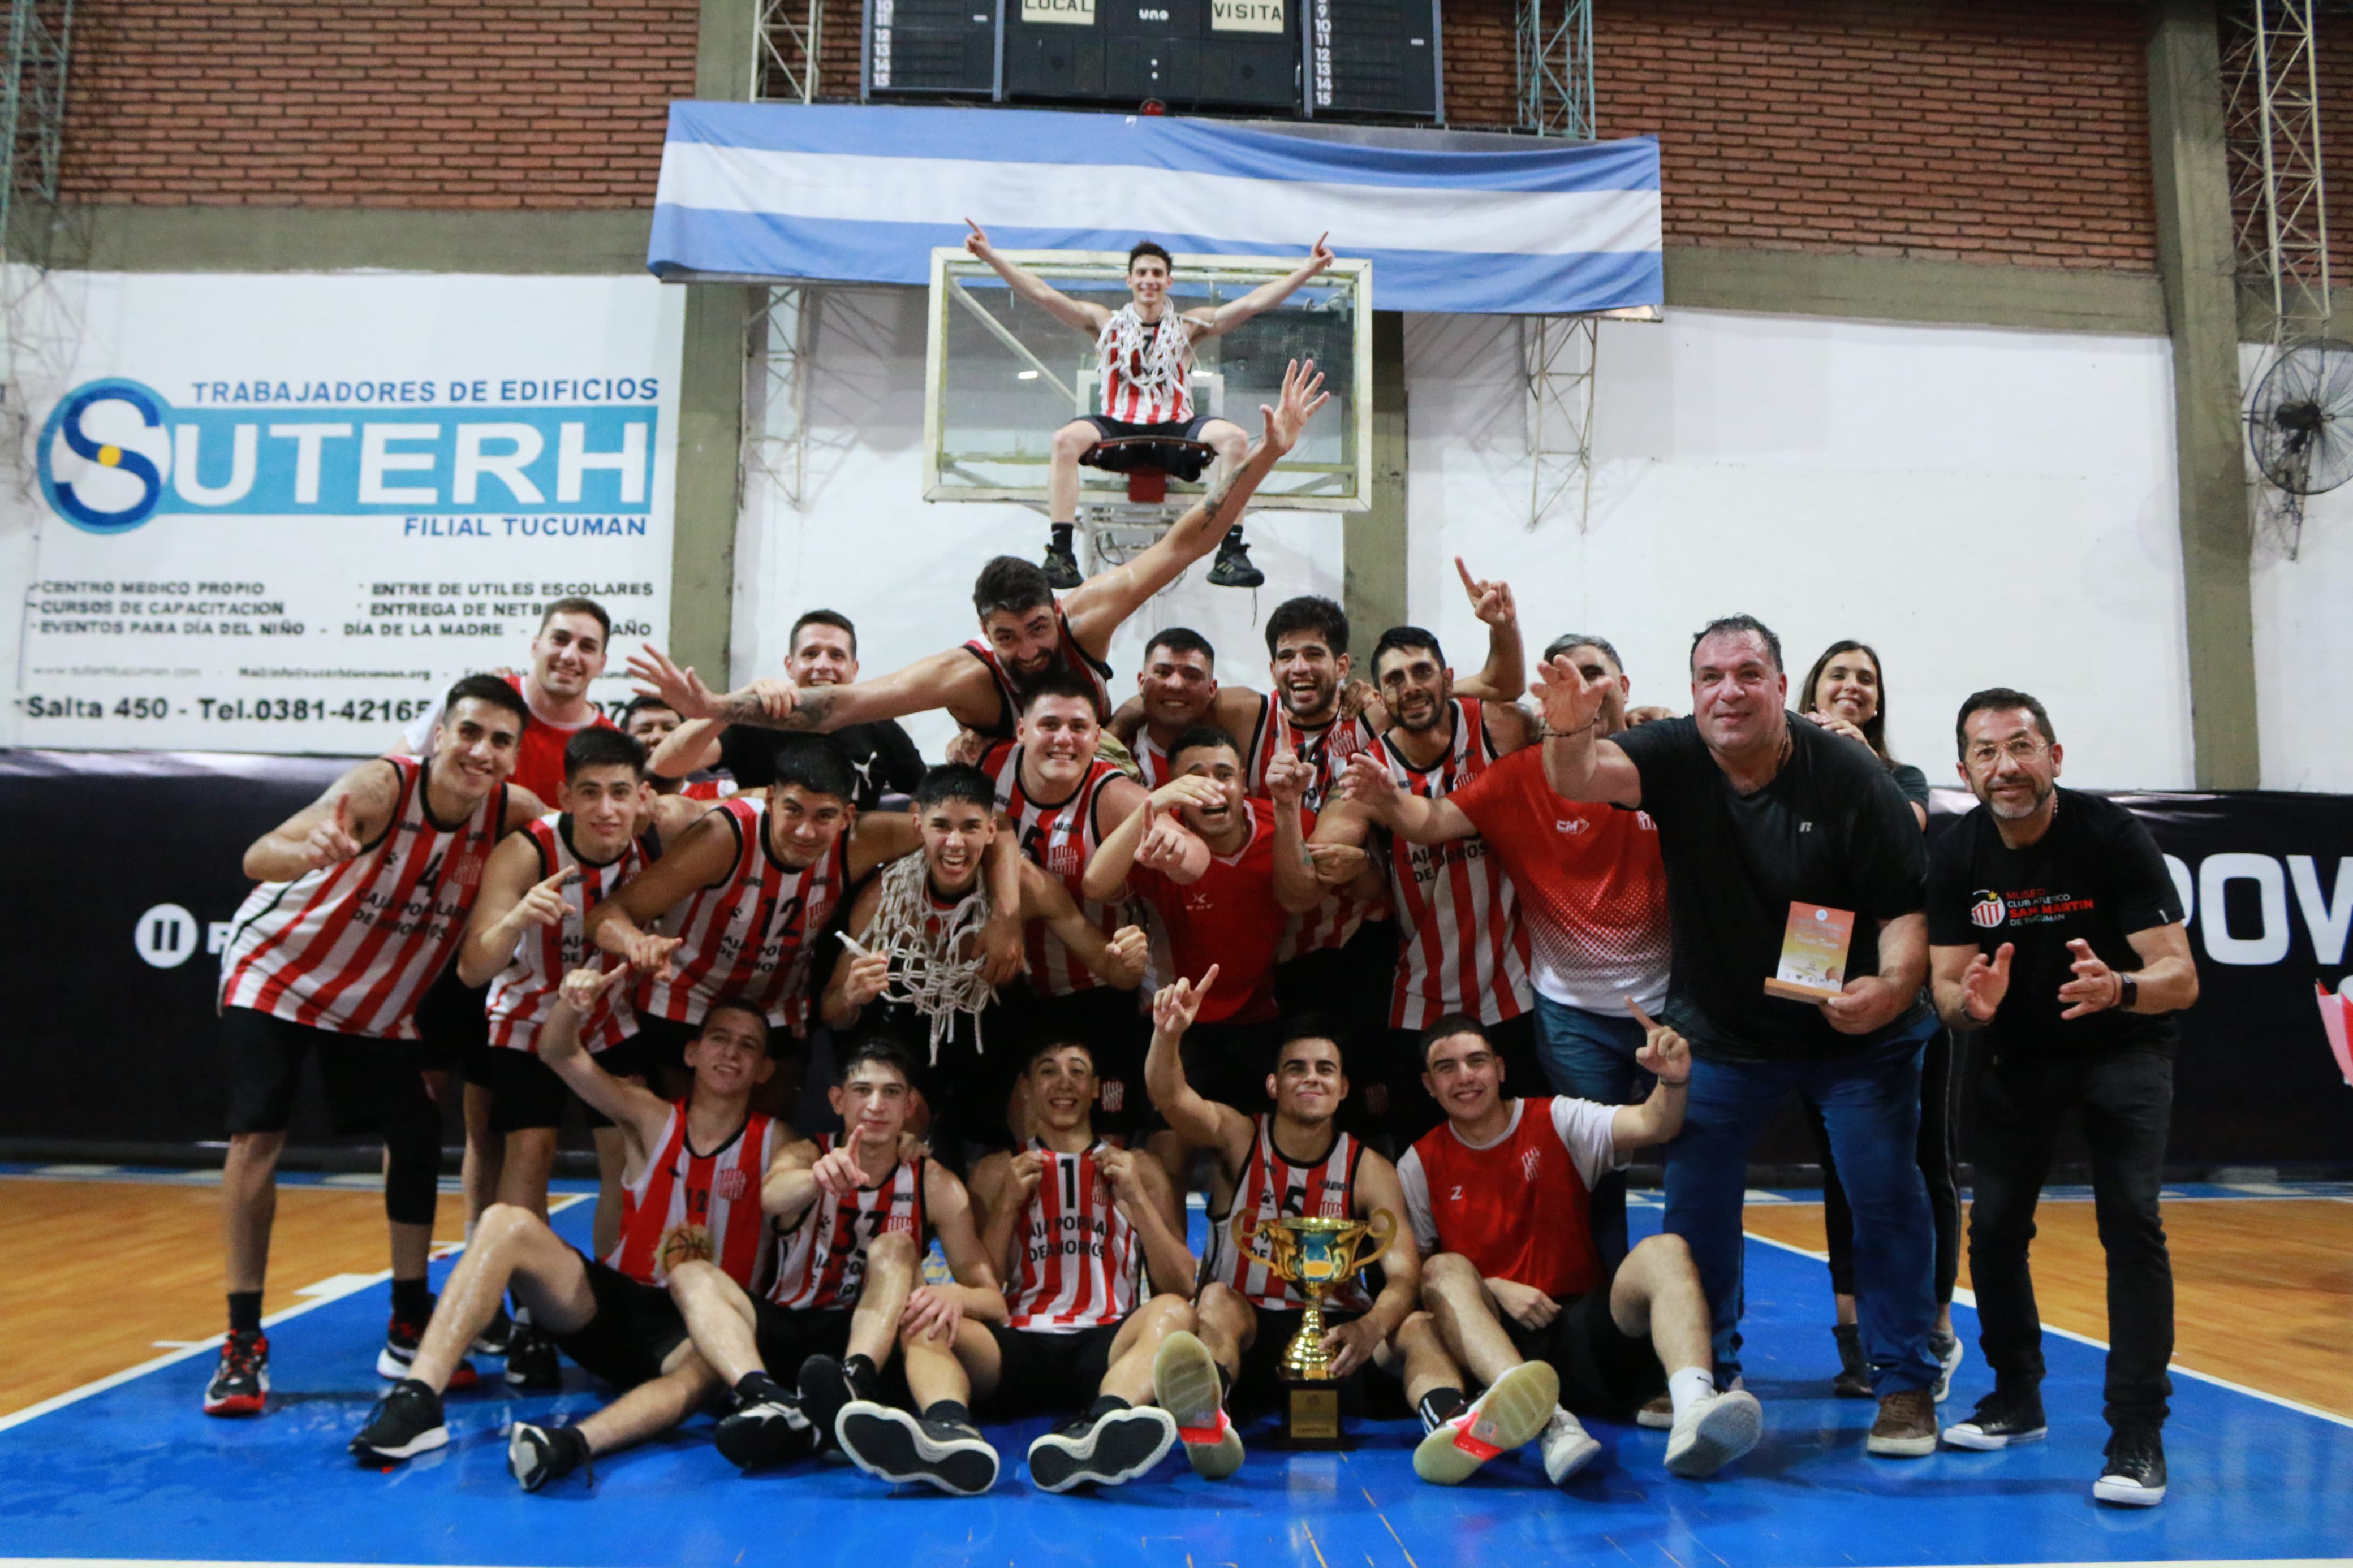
(863, 193)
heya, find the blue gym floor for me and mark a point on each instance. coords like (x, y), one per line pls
(134, 1472)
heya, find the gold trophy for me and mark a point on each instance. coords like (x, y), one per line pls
(1317, 1255)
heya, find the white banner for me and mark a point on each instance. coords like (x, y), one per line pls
(284, 514)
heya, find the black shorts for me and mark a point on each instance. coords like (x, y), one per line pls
(1180, 464)
(453, 1025)
(373, 1086)
(787, 1336)
(1367, 1394)
(636, 1328)
(526, 1093)
(1230, 1063)
(1050, 1373)
(661, 1046)
(1604, 1370)
(1109, 1023)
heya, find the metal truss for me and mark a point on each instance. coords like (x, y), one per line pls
(1557, 355)
(786, 36)
(33, 103)
(776, 341)
(2272, 131)
(1553, 46)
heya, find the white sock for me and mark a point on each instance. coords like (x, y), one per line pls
(1693, 1385)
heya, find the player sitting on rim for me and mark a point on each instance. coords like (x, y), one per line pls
(694, 1176)
(851, 1210)
(1026, 631)
(1499, 1193)
(1293, 1162)
(1146, 376)
(1080, 1226)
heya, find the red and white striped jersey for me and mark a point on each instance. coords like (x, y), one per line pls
(821, 1260)
(1008, 691)
(1082, 1261)
(1147, 368)
(1061, 837)
(754, 932)
(1326, 749)
(1153, 758)
(1272, 1187)
(351, 948)
(686, 1206)
(1461, 946)
(524, 993)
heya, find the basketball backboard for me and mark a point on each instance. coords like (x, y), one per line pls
(1001, 374)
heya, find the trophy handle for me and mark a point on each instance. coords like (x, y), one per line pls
(1382, 1229)
(1247, 1228)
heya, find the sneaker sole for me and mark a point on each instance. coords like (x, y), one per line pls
(243, 1403)
(2129, 1494)
(754, 1444)
(1581, 1455)
(888, 1445)
(1726, 1430)
(1119, 1449)
(423, 1442)
(1655, 1420)
(523, 1458)
(826, 1392)
(1963, 1436)
(1186, 1383)
(1901, 1447)
(1513, 1410)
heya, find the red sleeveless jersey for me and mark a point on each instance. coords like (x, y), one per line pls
(352, 947)
(1061, 837)
(524, 993)
(1082, 1262)
(752, 933)
(686, 1205)
(1271, 1187)
(1008, 691)
(1516, 1209)
(1461, 946)
(821, 1260)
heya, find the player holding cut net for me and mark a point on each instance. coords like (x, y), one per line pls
(1147, 382)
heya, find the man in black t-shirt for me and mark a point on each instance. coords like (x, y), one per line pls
(1756, 812)
(2055, 928)
(823, 651)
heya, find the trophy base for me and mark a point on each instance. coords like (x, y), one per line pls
(1311, 1416)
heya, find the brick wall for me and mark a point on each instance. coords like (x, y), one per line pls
(2008, 130)
(424, 104)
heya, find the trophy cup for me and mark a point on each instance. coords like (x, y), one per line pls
(1317, 1255)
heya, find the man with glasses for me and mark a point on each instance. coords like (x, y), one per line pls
(2055, 927)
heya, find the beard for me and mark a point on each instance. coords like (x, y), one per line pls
(2011, 810)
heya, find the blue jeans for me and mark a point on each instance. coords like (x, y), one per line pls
(1591, 1055)
(1871, 1107)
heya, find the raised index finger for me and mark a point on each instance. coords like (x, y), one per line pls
(1640, 1017)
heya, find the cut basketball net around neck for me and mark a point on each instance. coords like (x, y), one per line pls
(925, 944)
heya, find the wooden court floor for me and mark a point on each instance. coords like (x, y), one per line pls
(105, 1274)
(2263, 1289)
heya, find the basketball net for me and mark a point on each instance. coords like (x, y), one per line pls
(928, 971)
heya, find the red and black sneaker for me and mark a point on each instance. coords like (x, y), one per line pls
(240, 1385)
(399, 1353)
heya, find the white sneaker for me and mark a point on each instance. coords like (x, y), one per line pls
(1713, 1433)
(1512, 1411)
(1566, 1446)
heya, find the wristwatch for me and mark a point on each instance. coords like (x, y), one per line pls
(2127, 991)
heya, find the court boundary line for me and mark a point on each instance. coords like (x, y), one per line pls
(258, 1562)
(346, 1285)
(1969, 1298)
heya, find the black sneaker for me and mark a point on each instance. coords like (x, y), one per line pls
(399, 1352)
(2134, 1473)
(897, 1447)
(531, 1360)
(1062, 567)
(1949, 1353)
(2001, 1421)
(1117, 1446)
(538, 1455)
(240, 1385)
(770, 1429)
(1854, 1379)
(826, 1388)
(494, 1339)
(1232, 568)
(407, 1423)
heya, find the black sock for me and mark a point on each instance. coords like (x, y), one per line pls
(1063, 532)
(861, 1373)
(1225, 1382)
(571, 1447)
(245, 1311)
(411, 1301)
(953, 1412)
(754, 1386)
(1104, 1405)
(420, 1386)
(1233, 537)
(1440, 1405)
